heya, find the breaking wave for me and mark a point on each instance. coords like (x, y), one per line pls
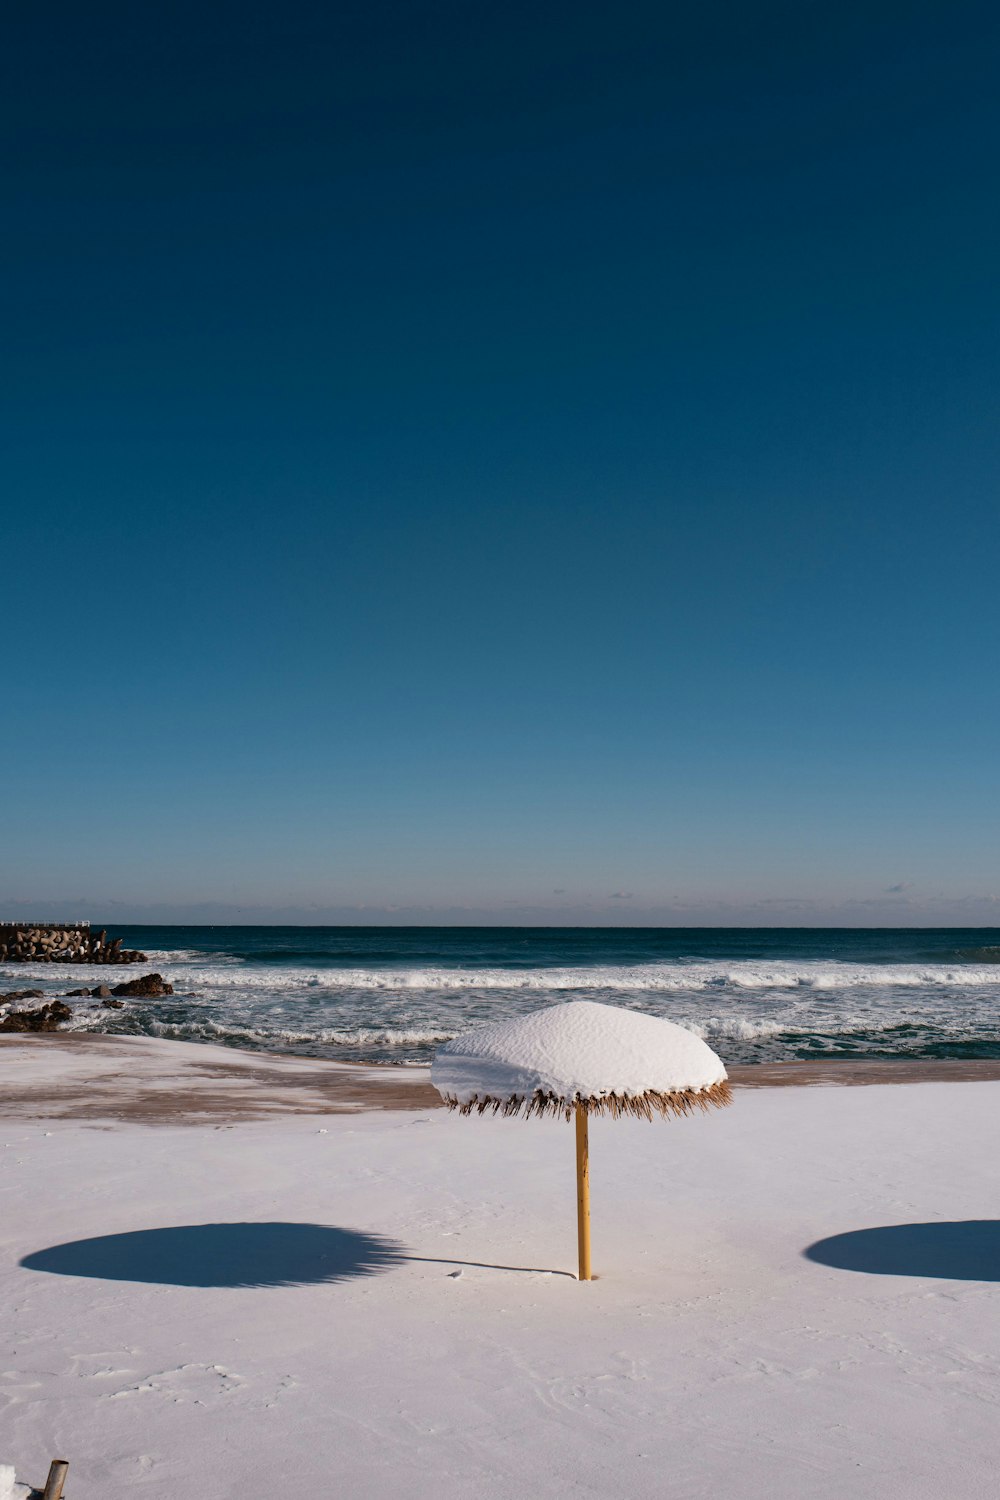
(635, 979)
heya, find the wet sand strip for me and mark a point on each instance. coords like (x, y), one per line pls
(833, 1071)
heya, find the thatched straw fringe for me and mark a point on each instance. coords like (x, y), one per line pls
(641, 1106)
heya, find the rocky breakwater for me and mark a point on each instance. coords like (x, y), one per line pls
(54, 943)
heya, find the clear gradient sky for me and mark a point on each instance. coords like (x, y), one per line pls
(524, 463)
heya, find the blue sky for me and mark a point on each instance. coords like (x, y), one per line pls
(536, 465)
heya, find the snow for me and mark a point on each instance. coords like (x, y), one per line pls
(580, 1049)
(9, 1488)
(255, 1309)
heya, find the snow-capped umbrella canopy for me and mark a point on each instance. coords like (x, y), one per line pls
(600, 1057)
(580, 1059)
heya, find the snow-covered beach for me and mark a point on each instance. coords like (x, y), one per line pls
(339, 1288)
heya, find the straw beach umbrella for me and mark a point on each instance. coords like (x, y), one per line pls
(580, 1059)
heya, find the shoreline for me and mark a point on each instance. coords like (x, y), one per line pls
(91, 1076)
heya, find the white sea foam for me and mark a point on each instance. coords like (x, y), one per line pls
(736, 1028)
(228, 973)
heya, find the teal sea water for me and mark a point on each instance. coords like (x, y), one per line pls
(391, 994)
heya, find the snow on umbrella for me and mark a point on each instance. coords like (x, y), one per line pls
(580, 1059)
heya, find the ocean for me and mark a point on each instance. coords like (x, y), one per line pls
(392, 994)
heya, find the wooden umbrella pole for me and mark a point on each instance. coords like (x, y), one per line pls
(583, 1191)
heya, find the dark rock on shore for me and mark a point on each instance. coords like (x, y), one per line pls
(99, 992)
(147, 987)
(47, 1018)
(113, 1004)
(21, 995)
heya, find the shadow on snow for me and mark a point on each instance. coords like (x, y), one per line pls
(965, 1250)
(235, 1255)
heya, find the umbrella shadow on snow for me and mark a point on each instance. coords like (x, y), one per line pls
(234, 1255)
(964, 1250)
